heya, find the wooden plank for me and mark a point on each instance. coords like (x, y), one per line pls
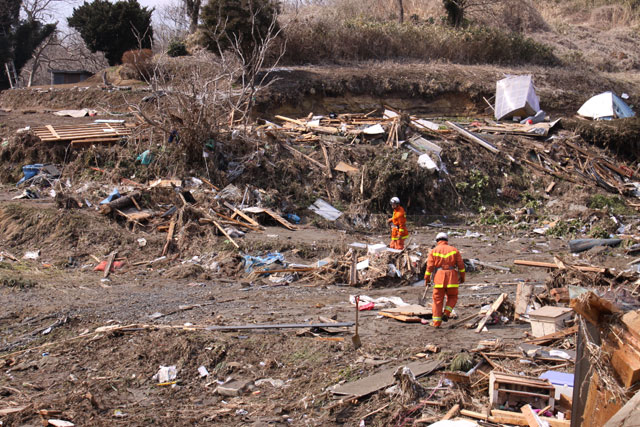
(631, 321)
(313, 161)
(523, 295)
(500, 416)
(601, 405)
(451, 412)
(225, 233)
(287, 119)
(554, 336)
(628, 416)
(326, 160)
(401, 317)
(172, 228)
(625, 363)
(593, 308)
(496, 305)
(107, 269)
(135, 203)
(473, 137)
(13, 410)
(554, 266)
(532, 418)
(409, 310)
(280, 219)
(53, 131)
(472, 414)
(365, 386)
(550, 187)
(243, 215)
(346, 168)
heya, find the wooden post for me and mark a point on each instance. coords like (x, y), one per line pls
(172, 228)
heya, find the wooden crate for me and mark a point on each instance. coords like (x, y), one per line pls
(513, 391)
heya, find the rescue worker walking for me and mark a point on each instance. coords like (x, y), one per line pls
(399, 232)
(442, 263)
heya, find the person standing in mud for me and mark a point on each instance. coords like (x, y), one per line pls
(398, 221)
(446, 266)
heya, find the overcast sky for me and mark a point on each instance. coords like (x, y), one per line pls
(64, 10)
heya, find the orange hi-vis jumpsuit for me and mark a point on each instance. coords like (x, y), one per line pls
(442, 263)
(399, 232)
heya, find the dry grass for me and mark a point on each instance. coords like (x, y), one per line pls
(326, 40)
(598, 35)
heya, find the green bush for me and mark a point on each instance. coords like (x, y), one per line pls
(242, 22)
(177, 48)
(320, 40)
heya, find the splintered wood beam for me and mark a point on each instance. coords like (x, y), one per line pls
(226, 234)
(554, 266)
(172, 228)
(107, 268)
(473, 137)
(496, 305)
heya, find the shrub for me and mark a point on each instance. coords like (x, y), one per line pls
(177, 48)
(139, 60)
(245, 22)
(113, 27)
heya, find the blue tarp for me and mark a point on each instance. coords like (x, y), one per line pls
(30, 171)
(250, 262)
(115, 194)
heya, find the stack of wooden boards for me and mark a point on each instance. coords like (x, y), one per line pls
(83, 135)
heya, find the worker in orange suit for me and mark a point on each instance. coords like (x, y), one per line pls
(399, 232)
(446, 268)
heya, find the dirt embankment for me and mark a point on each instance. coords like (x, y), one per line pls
(429, 89)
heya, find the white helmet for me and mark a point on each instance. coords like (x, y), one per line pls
(442, 236)
(395, 200)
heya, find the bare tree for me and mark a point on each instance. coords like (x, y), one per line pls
(193, 11)
(207, 95)
(61, 51)
(43, 10)
(400, 11)
(171, 23)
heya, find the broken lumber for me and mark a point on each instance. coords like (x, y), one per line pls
(172, 228)
(552, 265)
(107, 269)
(523, 295)
(313, 161)
(546, 339)
(326, 160)
(280, 326)
(515, 418)
(470, 136)
(593, 308)
(225, 233)
(496, 305)
(451, 412)
(120, 203)
(243, 215)
(532, 418)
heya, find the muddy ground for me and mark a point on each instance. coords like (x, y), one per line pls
(101, 378)
(55, 358)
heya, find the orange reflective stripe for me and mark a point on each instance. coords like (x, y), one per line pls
(438, 286)
(461, 271)
(395, 238)
(427, 274)
(435, 319)
(449, 309)
(404, 237)
(452, 285)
